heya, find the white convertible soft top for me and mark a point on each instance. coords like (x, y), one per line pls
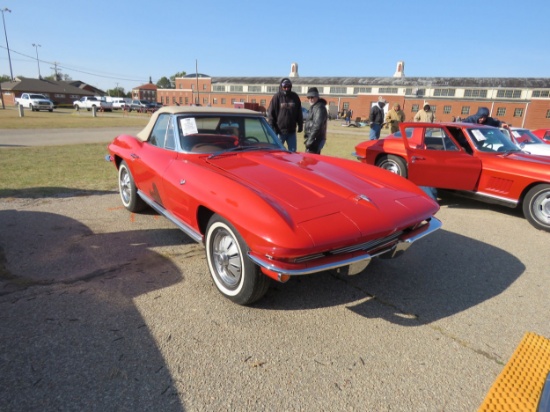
(146, 132)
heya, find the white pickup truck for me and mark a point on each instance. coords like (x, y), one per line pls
(89, 102)
(35, 102)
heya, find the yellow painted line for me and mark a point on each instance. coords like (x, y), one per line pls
(519, 386)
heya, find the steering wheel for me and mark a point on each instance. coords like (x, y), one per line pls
(487, 145)
(248, 139)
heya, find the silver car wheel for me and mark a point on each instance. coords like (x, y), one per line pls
(227, 258)
(536, 206)
(125, 186)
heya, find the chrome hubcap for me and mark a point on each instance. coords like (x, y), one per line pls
(227, 259)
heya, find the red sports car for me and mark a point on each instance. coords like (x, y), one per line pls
(476, 160)
(544, 134)
(223, 177)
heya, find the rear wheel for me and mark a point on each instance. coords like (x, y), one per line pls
(31, 107)
(128, 191)
(536, 206)
(235, 275)
(394, 164)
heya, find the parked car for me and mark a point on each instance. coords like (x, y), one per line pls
(120, 102)
(476, 160)
(35, 102)
(544, 134)
(527, 141)
(223, 177)
(139, 105)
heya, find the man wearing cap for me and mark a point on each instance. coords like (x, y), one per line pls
(315, 133)
(376, 118)
(425, 115)
(284, 114)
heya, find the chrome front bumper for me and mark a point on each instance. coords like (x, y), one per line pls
(393, 251)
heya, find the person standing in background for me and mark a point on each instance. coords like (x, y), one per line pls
(376, 118)
(284, 114)
(425, 115)
(315, 132)
(394, 116)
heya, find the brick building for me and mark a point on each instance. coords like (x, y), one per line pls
(518, 101)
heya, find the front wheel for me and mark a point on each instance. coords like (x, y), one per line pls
(235, 275)
(128, 191)
(394, 164)
(31, 107)
(536, 206)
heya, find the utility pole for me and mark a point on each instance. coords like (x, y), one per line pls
(36, 46)
(6, 35)
(55, 70)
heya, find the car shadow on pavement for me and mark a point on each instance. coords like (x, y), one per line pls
(71, 335)
(56, 192)
(438, 277)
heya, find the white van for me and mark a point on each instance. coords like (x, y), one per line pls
(120, 102)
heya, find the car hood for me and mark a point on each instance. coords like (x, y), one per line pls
(541, 149)
(309, 188)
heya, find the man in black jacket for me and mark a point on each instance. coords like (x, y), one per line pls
(284, 114)
(315, 133)
(376, 119)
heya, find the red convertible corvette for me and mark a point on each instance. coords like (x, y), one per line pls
(223, 177)
(479, 161)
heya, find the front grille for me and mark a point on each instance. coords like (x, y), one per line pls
(365, 246)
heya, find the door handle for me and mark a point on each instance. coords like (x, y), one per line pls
(415, 158)
(134, 156)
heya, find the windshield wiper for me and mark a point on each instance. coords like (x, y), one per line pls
(238, 149)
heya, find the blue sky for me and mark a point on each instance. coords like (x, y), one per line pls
(125, 42)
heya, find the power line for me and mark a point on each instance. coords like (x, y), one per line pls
(59, 65)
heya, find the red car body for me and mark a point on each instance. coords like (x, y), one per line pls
(474, 159)
(544, 134)
(223, 177)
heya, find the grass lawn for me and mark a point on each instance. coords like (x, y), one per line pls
(31, 172)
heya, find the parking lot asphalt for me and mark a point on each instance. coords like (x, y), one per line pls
(101, 309)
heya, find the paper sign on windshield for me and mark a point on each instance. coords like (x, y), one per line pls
(188, 126)
(478, 135)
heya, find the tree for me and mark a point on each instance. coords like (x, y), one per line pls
(4, 78)
(117, 92)
(164, 83)
(180, 74)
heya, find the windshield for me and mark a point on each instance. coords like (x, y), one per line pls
(525, 136)
(489, 139)
(37, 96)
(215, 134)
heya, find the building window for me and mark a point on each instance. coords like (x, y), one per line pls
(254, 89)
(272, 89)
(252, 100)
(297, 89)
(204, 86)
(541, 93)
(233, 100)
(338, 90)
(387, 90)
(242, 100)
(475, 93)
(433, 107)
(180, 100)
(235, 88)
(465, 110)
(548, 114)
(444, 92)
(345, 105)
(224, 100)
(187, 100)
(357, 90)
(263, 102)
(218, 88)
(415, 92)
(215, 100)
(414, 108)
(446, 109)
(205, 100)
(192, 87)
(518, 112)
(509, 94)
(501, 111)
